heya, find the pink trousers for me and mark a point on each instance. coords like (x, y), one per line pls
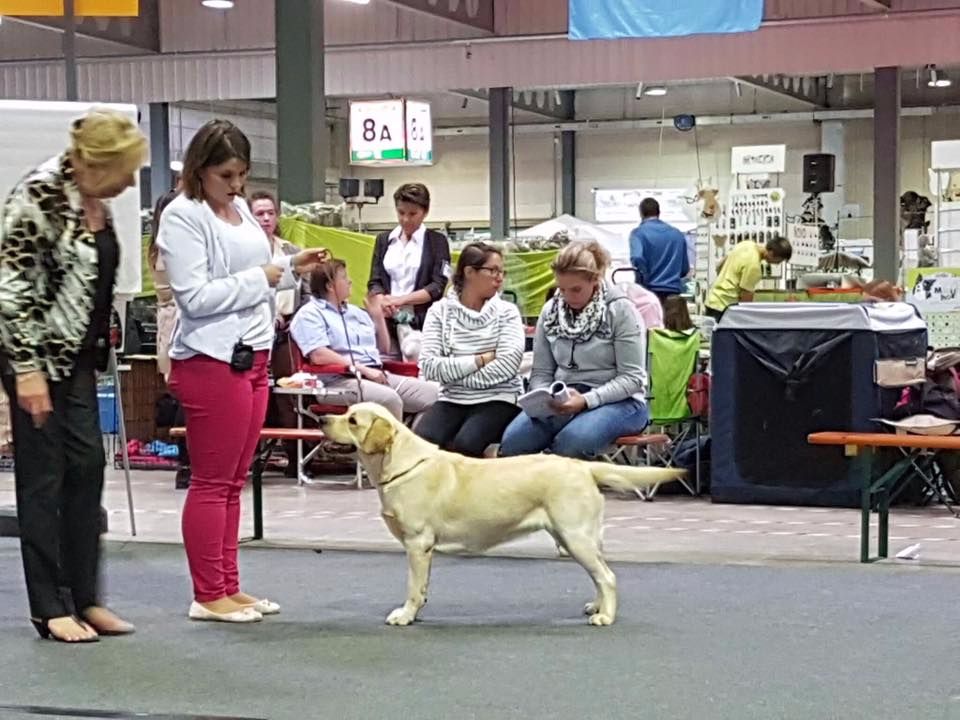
(224, 411)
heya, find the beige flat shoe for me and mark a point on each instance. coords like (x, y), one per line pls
(246, 615)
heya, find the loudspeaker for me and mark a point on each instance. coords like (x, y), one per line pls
(349, 188)
(373, 189)
(818, 172)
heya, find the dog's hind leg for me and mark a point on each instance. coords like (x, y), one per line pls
(585, 549)
(419, 556)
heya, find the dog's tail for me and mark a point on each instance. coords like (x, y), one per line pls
(627, 478)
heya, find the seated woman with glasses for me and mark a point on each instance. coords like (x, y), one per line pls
(591, 338)
(472, 345)
(330, 331)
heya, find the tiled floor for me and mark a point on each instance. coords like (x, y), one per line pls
(670, 529)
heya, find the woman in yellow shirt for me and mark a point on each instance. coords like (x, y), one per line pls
(740, 273)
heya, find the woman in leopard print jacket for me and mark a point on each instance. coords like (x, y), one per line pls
(58, 262)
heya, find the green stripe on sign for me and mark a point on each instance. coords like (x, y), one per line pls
(395, 154)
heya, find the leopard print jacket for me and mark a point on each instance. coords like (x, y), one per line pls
(48, 272)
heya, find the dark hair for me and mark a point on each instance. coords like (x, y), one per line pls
(780, 248)
(474, 255)
(322, 276)
(265, 195)
(649, 208)
(676, 315)
(415, 193)
(213, 144)
(153, 251)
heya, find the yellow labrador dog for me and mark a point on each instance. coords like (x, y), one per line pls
(439, 500)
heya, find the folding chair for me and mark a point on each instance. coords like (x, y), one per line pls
(315, 410)
(672, 361)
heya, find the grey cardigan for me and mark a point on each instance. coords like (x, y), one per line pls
(612, 362)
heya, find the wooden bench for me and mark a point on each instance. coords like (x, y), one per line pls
(269, 437)
(877, 493)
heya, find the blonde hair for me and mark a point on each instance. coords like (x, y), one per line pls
(106, 137)
(589, 259)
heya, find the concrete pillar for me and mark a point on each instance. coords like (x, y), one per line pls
(886, 174)
(568, 172)
(161, 178)
(302, 135)
(499, 109)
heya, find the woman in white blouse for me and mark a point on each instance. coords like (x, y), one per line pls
(224, 279)
(410, 268)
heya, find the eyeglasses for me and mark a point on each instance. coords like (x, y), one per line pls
(496, 272)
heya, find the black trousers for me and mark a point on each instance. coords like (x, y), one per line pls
(711, 313)
(466, 429)
(59, 480)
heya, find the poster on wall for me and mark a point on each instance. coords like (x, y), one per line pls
(622, 206)
(31, 133)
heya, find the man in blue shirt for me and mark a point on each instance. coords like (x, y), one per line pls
(658, 253)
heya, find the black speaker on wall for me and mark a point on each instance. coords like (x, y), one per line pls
(373, 189)
(349, 188)
(818, 173)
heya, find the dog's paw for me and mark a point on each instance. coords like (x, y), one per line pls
(401, 616)
(591, 608)
(600, 618)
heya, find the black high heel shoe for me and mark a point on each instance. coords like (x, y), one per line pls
(43, 630)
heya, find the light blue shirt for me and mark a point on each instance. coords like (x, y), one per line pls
(318, 324)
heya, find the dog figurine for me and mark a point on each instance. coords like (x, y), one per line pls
(437, 500)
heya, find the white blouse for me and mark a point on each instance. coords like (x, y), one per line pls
(402, 260)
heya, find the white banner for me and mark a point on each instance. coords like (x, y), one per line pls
(623, 206)
(758, 159)
(32, 133)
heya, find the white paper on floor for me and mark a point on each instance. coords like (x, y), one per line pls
(909, 553)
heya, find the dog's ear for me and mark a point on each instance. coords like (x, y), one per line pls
(379, 437)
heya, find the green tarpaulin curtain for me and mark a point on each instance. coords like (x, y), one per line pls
(528, 273)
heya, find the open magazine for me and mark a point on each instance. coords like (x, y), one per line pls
(538, 403)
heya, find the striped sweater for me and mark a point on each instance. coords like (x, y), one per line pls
(454, 334)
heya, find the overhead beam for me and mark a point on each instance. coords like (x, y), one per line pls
(141, 32)
(477, 14)
(814, 94)
(553, 104)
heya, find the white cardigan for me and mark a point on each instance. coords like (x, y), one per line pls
(216, 306)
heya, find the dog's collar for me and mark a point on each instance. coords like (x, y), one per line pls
(402, 475)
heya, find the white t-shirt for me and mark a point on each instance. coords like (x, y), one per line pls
(245, 243)
(402, 260)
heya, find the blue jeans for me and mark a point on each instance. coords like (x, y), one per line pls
(581, 436)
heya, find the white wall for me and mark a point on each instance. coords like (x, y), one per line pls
(607, 159)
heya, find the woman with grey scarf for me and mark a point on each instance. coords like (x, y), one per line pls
(591, 338)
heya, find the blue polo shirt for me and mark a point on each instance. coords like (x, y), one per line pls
(318, 324)
(658, 253)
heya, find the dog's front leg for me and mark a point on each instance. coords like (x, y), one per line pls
(419, 555)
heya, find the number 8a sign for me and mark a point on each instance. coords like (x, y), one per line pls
(390, 132)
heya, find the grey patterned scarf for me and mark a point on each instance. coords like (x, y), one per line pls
(563, 321)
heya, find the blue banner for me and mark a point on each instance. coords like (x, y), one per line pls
(606, 19)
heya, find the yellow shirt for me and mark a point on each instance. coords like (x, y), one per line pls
(740, 273)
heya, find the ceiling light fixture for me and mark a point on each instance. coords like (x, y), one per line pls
(937, 78)
(359, 2)
(217, 4)
(655, 90)
(176, 166)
